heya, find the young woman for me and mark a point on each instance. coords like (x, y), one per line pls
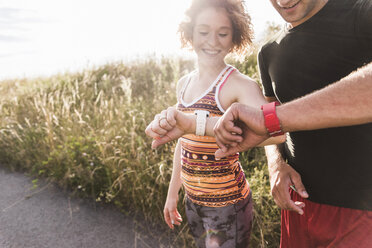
(219, 200)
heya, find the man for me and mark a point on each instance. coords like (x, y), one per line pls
(324, 42)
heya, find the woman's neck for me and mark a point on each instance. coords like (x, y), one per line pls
(210, 71)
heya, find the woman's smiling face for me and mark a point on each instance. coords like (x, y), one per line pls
(212, 35)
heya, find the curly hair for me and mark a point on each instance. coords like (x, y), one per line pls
(240, 19)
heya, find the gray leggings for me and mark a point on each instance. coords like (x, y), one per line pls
(225, 227)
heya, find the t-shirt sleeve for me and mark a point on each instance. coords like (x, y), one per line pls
(265, 77)
(364, 26)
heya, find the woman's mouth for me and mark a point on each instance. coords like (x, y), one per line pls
(211, 51)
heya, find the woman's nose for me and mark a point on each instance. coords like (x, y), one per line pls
(213, 39)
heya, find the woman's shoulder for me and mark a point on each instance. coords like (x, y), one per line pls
(244, 89)
(182, 81)
(241, 80)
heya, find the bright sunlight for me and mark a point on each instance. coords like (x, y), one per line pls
(42, 37)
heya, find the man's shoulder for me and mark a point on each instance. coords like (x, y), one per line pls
(272, 40)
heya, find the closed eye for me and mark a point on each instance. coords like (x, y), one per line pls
(222, 35)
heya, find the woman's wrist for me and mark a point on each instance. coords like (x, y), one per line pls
(191, 128)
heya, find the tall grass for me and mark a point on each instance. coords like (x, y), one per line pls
(85, 131)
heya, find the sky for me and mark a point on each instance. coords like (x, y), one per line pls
(45, 37)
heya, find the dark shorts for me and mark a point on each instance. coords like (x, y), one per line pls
(325, 226)
(224, 227)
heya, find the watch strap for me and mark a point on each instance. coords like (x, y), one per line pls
(272, 122)
(201, 121)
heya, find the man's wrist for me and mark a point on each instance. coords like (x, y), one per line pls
(273, 155)
(248, 114)
(280, 110)
(271, 119)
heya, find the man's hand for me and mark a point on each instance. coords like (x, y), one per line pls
(240, 120)
(282, 177)
(169, 125)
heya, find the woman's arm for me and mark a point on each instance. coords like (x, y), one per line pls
(249, 93)
(171, 215)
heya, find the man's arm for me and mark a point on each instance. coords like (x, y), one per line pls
(282, 176)
(345, 103)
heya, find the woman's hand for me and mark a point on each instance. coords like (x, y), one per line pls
(171, 215)
(169, 125)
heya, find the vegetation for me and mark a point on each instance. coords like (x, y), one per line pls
(85, 131)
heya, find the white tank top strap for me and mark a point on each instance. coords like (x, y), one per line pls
(212, 85)
(223, 77)
(230, 70)
(184, 86)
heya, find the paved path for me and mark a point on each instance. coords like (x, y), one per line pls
(46, 217)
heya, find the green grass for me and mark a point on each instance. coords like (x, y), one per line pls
(85, 131)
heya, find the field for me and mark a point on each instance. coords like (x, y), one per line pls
(85, 131)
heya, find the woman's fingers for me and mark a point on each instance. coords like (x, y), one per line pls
(172, 217)
(163, 121)
(175, 218)
(154, 132)
(167, 218)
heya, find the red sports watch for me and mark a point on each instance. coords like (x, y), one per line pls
(272, 122)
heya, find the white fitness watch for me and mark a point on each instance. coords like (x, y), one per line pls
(201, 121)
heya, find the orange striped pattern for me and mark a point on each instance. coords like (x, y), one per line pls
(209, 182)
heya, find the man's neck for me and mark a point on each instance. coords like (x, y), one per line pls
(317, 8)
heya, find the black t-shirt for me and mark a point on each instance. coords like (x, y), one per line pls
(335, 163)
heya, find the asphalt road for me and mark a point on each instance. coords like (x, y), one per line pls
(47, 217)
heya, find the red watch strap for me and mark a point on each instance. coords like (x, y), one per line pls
(272, 122)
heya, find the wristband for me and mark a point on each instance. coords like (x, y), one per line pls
(201, 121)
(272, 122)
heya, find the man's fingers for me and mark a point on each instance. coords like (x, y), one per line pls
(221, 145)
(287, 203)
(300, 204)
(295, 207)
(278, 198)
(283, 199)
(229, 151)
(298, 186)
(220, 154)
(224, 137)
(232, 128)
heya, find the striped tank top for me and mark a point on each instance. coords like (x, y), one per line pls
(209, 182)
